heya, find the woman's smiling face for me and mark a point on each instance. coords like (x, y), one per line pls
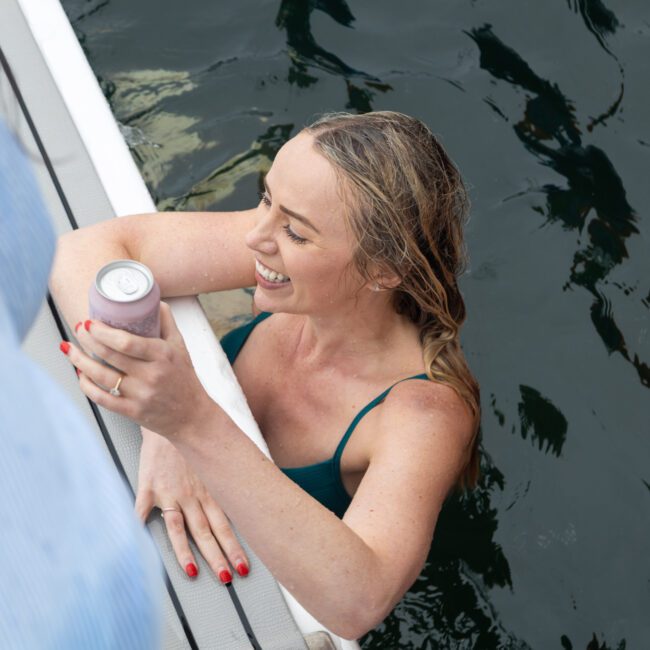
(301, 235)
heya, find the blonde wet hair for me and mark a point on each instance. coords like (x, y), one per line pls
(407, 208)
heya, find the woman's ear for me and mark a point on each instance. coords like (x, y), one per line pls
(390, 281)
(384, 280)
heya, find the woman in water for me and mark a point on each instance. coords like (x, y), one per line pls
(355, 249)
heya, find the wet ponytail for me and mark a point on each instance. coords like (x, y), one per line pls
(410, 206)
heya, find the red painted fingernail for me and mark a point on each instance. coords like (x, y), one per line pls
(64, 347)
(242, 569)
(191, 570)
(87, 326)
(77, 326)
(225, 576)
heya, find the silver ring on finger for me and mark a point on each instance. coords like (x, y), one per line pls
(170, 509)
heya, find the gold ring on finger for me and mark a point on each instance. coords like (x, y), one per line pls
(115, 391)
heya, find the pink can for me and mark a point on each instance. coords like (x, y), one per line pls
(126, 296)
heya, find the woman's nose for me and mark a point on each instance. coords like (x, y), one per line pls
(262, 238)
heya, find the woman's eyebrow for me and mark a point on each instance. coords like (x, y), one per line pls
(293, 214)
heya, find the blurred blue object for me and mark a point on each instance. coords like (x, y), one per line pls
(77, 569)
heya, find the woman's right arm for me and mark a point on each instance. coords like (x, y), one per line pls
(188, 253)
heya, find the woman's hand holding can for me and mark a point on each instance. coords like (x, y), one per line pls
(159, 388)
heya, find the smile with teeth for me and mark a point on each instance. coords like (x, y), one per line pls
(269, 274)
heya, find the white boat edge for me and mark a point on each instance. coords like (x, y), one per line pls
(128, 194)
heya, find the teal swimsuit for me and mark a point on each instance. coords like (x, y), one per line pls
(321, 480)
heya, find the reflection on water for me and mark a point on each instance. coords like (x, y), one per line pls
(548, 426)
(598, 19)
(138, 92)
(594, 196)
(156, 137)
(223, 180)
(204, 129)
(294, 17)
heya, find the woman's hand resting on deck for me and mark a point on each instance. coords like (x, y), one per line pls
(166, 480)
(159, 388)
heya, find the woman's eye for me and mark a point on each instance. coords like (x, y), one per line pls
(266, 200)
(292, 235)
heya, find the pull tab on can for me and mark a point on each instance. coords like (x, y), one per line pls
(126, 284)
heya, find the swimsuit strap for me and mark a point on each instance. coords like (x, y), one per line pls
(378, 400)
(233, 342)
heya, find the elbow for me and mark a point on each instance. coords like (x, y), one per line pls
(64, 242)
(369, 613)
(67, 239)
(354, 628)
(372, 601)
(352, 631)
(63, 262)
(369, 599)
(349, 630)
(61, 242)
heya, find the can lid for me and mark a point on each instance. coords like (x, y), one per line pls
(124, 281)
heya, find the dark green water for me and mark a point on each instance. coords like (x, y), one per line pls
(544, 107)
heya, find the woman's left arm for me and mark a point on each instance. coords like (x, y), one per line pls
(347, 573)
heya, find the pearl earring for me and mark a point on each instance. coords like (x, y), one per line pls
(376, 287)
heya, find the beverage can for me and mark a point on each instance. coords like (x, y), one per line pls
(126, 296)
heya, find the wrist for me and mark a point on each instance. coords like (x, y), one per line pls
(204, 417)
(147, 433)
(150, 436)
(153, 444)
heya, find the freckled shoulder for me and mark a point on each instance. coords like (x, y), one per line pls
(416, 412)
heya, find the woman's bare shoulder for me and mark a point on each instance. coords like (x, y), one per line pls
(426, 415)
(427, 393)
